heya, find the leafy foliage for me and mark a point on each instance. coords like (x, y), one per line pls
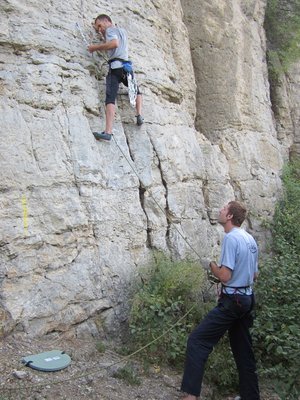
(100, 346)
(277, 333)
(128, 375)
(286, 230)
(282, 25)
(169, 290)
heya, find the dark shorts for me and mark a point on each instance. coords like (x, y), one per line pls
(114, 78)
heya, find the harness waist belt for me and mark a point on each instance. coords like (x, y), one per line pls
(236, 287)
(116, 59)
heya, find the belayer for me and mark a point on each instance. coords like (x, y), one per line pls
(237, 270)
(116, 44)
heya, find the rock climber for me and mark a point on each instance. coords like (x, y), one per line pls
(116, 44)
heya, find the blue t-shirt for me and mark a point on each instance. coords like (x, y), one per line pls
(240, 254)
(122, 50)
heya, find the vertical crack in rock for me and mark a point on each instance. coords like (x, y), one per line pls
(205, 186)
(236, 186)
(34, 153)
(142, 191)
(167, 209)
(76, 183)
(129, 149)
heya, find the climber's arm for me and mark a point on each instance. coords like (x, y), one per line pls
(112, 44)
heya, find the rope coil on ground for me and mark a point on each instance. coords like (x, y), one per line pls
(95, 371)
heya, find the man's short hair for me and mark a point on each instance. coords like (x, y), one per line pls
(238, 212)
(102, 17)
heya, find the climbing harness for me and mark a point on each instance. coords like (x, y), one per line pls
(132, 83)
(237, 289)
(127, 68)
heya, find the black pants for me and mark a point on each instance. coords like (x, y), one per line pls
(114, 78)
(233, 314)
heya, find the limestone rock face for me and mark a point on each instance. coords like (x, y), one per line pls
(79, 217)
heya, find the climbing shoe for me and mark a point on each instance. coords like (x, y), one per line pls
(102, 136)
(139, 120)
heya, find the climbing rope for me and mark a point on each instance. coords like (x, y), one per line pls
(91, 36)
(155, 201)
(82, 34)
(97, 370)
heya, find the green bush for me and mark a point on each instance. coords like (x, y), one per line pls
(169, 290)
(277, 333)
(100, 346)
(282, 25)
(128, 375)
(286, 228)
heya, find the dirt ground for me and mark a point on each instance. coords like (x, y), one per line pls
(94, 373)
